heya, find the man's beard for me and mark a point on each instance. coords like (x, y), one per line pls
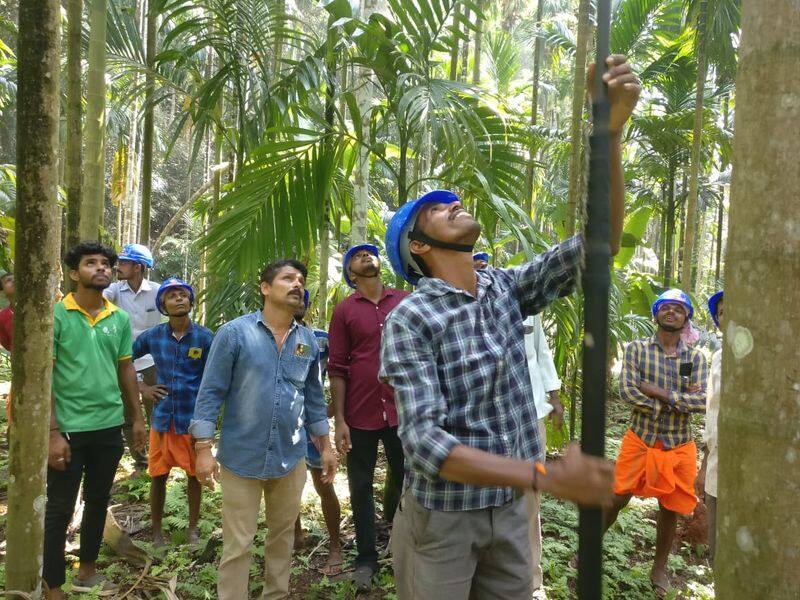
(368, 272)
(97, 286)
(671, 328)
(181, 313)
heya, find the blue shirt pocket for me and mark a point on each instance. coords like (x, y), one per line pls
(295, 369)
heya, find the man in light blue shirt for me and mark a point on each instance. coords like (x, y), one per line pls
(263, 372)
(134, 293)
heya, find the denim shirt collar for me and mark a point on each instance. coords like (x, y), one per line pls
(259, 315)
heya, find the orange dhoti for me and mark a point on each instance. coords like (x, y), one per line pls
(169, 450)
(667, 475)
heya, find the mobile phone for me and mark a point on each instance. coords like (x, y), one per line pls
(686, 369)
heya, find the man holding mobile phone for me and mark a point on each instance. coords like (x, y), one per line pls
(664, 379)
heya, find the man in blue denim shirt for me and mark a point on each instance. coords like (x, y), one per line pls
(263, 369)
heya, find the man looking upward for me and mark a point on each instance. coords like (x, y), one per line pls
(363, 405)
(454, 353)
(136, 295)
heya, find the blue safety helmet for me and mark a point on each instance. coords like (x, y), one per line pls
(172, 282)
(481, 256)
(713, 306)
(349, 255)
(674, 295)
(306, 298)
(138, 254)
(401, 231)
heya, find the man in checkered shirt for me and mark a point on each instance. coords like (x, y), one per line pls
(663, 378)
(467, 420)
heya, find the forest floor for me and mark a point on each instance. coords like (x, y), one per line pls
(178, 573)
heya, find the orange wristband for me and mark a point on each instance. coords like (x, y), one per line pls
(538, 467)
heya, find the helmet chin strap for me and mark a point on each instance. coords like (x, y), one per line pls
(419, 236)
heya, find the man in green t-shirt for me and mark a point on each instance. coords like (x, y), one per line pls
(92, 374)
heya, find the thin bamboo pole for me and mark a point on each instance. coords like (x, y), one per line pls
(597, 280)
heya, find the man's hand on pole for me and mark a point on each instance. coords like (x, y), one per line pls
(623, 90)
(580, 478)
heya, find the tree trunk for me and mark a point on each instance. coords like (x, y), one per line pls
(402, 172)
(720, 217)
(476, 62)
(277, 41)
(662, 238)
(699, 251)
(37, 245)
(758, 545)
(324, 260)
(670, 233)
(364, 94)
(132, 170)
(694, 174)
(721, 214)
(74, 156)
(538, 47)
(465, 48)
(148, 133)
(453, 72)
(93, 204)
(681, 233)
(119, 170)
(576, 166)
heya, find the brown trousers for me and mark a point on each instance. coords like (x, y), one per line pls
(241, 503)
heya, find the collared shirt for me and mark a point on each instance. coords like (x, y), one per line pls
(712, 416)
(268, 397)
(141, 308)
(458, 367)
(544, 377)
(652, 420)
(355, 344)
(86, 351)
(7, 328)
(179, 367)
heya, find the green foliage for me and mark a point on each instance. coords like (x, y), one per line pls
(504, 61)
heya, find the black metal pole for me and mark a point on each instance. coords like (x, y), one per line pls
(596, 282)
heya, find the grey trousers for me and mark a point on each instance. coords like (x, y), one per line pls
(467, 555)
(533, 504)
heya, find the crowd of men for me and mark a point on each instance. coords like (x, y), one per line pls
(455, 381)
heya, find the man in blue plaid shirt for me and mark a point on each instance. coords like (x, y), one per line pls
(179, 349)
(467, 419)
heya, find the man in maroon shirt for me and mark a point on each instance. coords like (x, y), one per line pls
(364, 407)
